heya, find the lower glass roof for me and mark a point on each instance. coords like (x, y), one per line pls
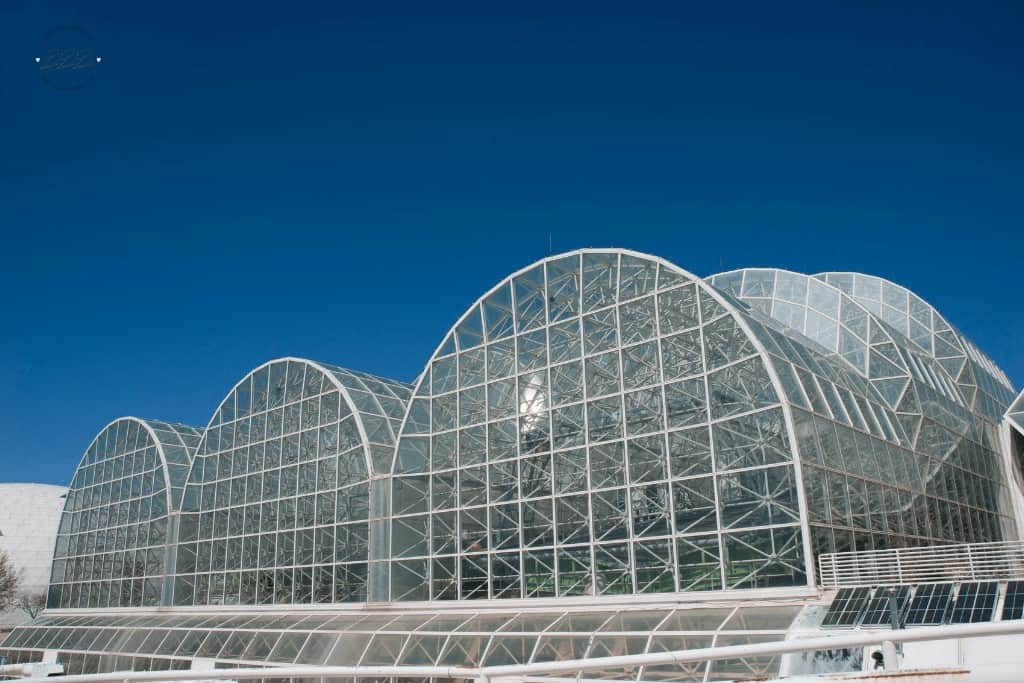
(443, 638)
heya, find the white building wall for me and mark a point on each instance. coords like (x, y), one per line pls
(29, 516)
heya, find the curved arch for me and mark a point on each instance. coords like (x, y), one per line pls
(944, 434)
(910, 381)
(388, 396)
(930, 465)
(115, 485)
(176, 445)
(567, 314)
(282, 478)
(828, 316)
(905, 311)
(985, 385)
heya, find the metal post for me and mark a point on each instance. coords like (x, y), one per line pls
(890, 650)
(889, 655)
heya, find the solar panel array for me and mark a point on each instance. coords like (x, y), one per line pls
(930, 604)
(975, 602)
(1013, 606)
(879, 611)
(926, 605)
(847, 607)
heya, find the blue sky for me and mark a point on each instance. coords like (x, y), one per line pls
(340, 182)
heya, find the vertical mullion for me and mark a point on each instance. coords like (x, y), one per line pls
(630, 531)
(551, 455)
(673, 531)
(711, 435)
(586, 440)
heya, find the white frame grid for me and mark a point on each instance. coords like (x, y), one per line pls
(986, 386)
(525, 305)
(947, 487)
(278, 505)
(460, 638)
(117, 529)
(687, 444)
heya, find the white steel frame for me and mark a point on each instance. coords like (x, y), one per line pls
(168, 546)
(701, 286)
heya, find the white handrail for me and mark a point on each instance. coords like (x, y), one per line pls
(930, 564)
(488, 673)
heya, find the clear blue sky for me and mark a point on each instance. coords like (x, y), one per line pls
(341, 182)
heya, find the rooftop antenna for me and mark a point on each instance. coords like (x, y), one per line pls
(551, 245)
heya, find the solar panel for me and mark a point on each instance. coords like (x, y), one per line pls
(847, 607)
(930, 604)
(975, 602)
(1013, 607)
(878, 614)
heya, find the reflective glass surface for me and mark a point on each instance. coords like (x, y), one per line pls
(905, 458)
(277, 506)
(113, 535)
(599, 423)
(930, 605)
(986, 386)
(462, 638)
(885, 601)
(1016, 412)
(975, 602)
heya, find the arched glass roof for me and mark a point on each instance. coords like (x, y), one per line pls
(450, 638)
(985, 385)
(814, 379)
(113, 533)
(277, 507)
(911, 381)
(827, 316)
(906, 312)
(601, 422)
(598, 427)
(951, 453)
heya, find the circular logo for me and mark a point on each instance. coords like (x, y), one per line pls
(68, 59)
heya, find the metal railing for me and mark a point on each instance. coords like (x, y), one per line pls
(932, 564)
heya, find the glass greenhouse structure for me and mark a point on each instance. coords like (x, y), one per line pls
(605, 455)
